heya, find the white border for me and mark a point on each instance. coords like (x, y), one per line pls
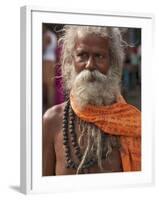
(31, 101)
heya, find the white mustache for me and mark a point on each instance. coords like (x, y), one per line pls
(91, 76)
(93, 87)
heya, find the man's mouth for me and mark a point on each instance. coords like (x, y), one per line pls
(91, 78)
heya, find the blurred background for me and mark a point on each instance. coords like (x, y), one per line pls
(52, 81)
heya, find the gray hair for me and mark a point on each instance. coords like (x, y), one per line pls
(70, 37)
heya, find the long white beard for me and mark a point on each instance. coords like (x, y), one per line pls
(95, 88)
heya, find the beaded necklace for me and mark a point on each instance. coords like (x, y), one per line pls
(69, 128)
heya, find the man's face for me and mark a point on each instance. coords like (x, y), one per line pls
(91, 53)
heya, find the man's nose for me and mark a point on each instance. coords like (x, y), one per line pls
(90, 64)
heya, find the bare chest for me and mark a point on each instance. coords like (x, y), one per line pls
(113, 164)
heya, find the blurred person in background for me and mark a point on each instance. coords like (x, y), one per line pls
(131, 79)
(49, 61)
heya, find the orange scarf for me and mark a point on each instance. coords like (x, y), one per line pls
(121, 119)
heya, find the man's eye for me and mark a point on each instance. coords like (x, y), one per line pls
(82, 55)
(99, 56)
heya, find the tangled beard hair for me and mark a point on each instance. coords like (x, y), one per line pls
(95, 146)
(95, 88)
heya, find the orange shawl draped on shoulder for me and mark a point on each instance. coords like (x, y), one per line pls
(121, 119)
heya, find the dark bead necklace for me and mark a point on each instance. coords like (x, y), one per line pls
(69, 128)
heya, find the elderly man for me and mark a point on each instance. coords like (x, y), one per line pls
(94, 130)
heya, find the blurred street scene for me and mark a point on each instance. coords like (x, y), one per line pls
(131, 79)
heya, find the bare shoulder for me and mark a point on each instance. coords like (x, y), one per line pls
(52, 119)
(54, 112)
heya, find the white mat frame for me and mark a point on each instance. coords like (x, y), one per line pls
(31, 100)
